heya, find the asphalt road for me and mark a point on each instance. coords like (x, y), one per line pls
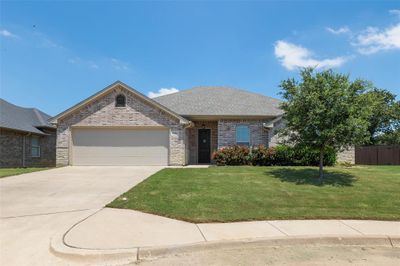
(297, 255)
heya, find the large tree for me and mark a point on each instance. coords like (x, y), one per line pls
(384, 120)
(325, 109)
(390, 137)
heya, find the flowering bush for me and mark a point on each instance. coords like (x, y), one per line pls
(278, 155)
(262, 155)
(233, 155)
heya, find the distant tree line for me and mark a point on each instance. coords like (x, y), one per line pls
(384, 121)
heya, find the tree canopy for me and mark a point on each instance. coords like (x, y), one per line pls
(325, 109)
(384, 121)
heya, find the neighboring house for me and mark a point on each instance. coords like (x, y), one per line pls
(120, 126)
(26, 137)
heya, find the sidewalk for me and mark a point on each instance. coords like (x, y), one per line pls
(120, 229)
(119, 233)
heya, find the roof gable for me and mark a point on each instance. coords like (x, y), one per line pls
(108, 89)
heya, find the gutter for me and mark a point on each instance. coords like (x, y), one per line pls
(188, 124)
(271, 124)
(39, 132)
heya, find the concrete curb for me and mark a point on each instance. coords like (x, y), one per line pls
(130, 255)
(157, 252)
(98, 256)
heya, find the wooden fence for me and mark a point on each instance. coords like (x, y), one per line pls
(378, 155)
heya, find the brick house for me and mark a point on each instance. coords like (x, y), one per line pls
(26, 137)
(120, 126)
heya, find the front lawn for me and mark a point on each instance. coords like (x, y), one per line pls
(17, 171)
(222, 194)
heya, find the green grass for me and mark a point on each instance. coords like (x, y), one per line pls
(222, 194)
(17, 171)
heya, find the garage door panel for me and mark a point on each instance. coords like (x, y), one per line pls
(120, 147)
(121, 138)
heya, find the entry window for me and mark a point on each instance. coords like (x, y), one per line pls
(242, 135)
(35, 147)
(120, 101)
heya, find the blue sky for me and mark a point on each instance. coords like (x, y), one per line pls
(54, 54)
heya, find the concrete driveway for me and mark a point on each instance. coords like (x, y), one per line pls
(35, 206)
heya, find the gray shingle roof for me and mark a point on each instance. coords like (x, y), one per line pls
(220, 101)
(22, 119)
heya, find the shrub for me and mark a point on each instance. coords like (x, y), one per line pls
(233, 155)
(283, 155)
(307, 156)
(262, 155)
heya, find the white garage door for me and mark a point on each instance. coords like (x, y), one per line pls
(119, 146)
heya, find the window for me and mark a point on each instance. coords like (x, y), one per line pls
(35, 148)
(120, 101)
(243, 135)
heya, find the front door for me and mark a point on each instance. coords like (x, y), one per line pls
(204, 148)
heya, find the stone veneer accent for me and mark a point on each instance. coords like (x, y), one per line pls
(102, 112)
(193, 138)
(227, 132)
(274, 138)
(11, 149)
(348, 156)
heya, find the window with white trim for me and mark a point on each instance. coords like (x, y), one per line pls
(242, 135)
(35, 147)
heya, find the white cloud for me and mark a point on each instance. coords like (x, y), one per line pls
(7, 34)
(119, 65)
(44, 41)
(294, 56)
(94, 65)
(338, 31)
(161, 92)
(102, 63)
(373, 40)
(74, 60)
(395, 12)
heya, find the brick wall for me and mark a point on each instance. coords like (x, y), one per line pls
(102, 112)
(11, 149)
(11, 146)
(193, 138)
(227, 132)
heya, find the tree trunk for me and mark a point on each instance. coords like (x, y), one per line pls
(321, 164)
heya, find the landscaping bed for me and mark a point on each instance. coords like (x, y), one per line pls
(242, 193)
